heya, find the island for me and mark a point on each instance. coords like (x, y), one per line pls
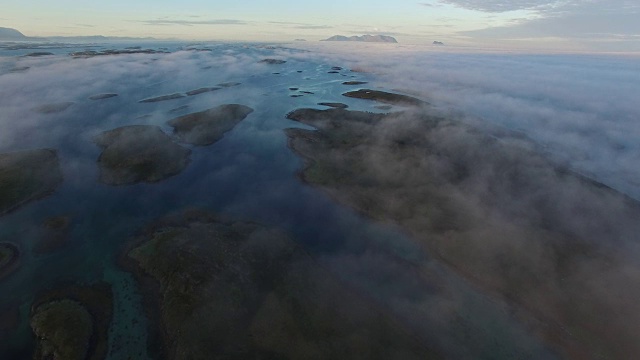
(334, 105)
(9, 259)
(202, 90)
(385, 97)
(215, 287)
(72, 322)
(162, 98)
(493, 209)
(272, 61)
(93, 53)
(53, 108)
(39, 53)
(206, 127)
(364, 38)
(26, 176)
(139, 153)
(102, 96)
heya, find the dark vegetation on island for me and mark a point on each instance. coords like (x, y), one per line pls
(39, 53)
(144, 153)
(52, 108)
(385, 97)
(189, 93)
(334, 105)
(354, 83)
(206, 127)
(163, 98)
(228, 84)
(272, 61)
(26, 176)
(139, 153)
(219, 288)
(102, 96)
(201, 90)
(9, 259)
(72, 322)
(541, 237)
(93, 53)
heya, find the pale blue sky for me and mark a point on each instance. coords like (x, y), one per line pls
(570, 24)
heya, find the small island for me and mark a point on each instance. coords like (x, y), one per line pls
(206, 127)
(102, 96)
(72, 322)
(334, 105)
(385, 97)
(139, 153)
(26, 176)
(92, 53)
(272, 61)
(53, 108)
(354, 83)
(162, 98)
(202, 90)
(9, 259)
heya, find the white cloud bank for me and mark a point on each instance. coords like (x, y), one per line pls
(582, 109)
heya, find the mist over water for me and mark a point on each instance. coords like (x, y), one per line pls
(579, 110)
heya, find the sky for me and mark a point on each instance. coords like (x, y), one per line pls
(572, 25)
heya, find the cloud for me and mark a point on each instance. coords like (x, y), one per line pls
(579, 108)
(313, 27)
(193, 22)
(590, 20)
(497, 5)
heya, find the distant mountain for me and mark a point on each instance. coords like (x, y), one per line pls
(364, 38)
(11, 34)
(93, 38)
